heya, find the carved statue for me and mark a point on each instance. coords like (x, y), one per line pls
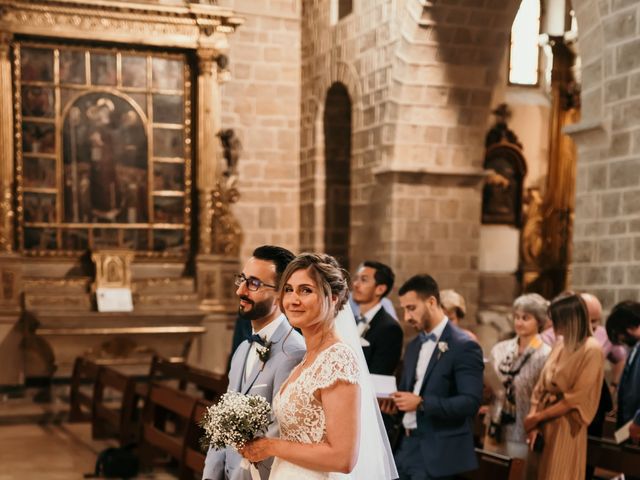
(226, 232)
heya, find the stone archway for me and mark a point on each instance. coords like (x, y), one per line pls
(337, 151)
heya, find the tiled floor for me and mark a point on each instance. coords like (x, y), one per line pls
(53, 451)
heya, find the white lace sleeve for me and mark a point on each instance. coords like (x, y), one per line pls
(338, 363)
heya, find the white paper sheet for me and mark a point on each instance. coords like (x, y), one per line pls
(622, 433)
(384, 385)
(114, 300)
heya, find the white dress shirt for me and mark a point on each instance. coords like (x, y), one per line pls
(364, 326)
(410, 421)
(266, 333)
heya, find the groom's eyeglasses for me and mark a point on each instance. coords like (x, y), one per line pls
(253, 283)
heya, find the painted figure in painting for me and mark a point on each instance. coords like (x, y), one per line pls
(105, 161)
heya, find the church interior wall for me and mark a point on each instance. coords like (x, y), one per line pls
(607, 230)
(261, 102)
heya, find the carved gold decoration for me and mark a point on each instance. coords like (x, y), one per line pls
(188, 26)
(226, 230)
(113, 268)
(6, 147)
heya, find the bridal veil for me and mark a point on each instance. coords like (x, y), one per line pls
(375, 459)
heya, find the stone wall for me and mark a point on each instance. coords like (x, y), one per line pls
(607, 221)
(261, 102)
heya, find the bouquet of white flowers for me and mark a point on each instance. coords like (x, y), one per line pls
(235, 420)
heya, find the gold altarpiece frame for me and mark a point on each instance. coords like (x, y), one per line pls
(95, 75)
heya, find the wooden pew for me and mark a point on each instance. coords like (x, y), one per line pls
(606, 454)
(115, 415)
(193, 457)
(80, 399)
(199, 382)
(167, 414)
(496, 467)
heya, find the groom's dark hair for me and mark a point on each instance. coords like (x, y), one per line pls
(281, 257)
(424, 285)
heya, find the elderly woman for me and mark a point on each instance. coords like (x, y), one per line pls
(517, 364)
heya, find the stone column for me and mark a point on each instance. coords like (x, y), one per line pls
(10, 265)
(217, 260)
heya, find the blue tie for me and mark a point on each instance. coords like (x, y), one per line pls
(425, 337)
(255, 338)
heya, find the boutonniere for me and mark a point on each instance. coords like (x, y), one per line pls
(263, 352)
(442, 348)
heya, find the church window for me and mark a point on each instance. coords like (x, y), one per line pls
(524, 49)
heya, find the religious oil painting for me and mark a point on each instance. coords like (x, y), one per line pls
(72, 67)
(168, 240)
(39, 172)
(36, 65)
(167, 108)
(168, 209)
(105, 161)
(40, 239)
(103, 153)
(168, 176)
(75, 239)
(38, 101)
(103, 69)
(168, 143)
(134, 71)
(167, 74)
(38, 137)
(39, 207)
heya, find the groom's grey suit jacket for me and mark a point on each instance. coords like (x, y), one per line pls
(287, 350)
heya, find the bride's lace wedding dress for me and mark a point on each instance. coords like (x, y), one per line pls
(300, 414)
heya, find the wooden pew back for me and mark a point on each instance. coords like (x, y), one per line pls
(606, 454)
(167, 413)
(496, 467)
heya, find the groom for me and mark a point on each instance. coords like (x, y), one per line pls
(252, 370)
(440, 391)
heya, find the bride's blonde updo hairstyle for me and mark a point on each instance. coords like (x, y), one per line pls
(331, 279)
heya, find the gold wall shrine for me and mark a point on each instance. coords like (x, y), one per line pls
(109, 112)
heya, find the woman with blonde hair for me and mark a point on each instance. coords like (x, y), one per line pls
(330, 423)
(566, 396)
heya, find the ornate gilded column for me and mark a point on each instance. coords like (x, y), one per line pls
(6, 146)
(208, 148)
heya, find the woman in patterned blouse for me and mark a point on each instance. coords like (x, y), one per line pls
(517, 363)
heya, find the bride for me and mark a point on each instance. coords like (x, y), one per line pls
(330, 424)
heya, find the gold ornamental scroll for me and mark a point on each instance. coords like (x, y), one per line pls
(6, 146)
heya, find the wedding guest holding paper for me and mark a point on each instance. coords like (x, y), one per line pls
(565, 399)
(517, 364)
(440, 390)
(623, 326)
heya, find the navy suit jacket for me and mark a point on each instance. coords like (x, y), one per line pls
(629, 389)
(385, 344)
(451, 392)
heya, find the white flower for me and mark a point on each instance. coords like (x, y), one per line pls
(235, 420)
(443, 347)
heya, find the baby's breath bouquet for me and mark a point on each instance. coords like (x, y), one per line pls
(235, 420)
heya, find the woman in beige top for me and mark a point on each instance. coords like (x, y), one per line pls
(566, 396)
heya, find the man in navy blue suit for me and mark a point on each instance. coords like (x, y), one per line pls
(440, 391)
(623, 326)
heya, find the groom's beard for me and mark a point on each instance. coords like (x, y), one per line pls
(258, 310)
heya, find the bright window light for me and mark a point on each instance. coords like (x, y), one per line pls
(523, 58)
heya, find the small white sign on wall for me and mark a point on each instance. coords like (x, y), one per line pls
(114, 299)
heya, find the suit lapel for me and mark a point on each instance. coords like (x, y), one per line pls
(236, 377)
(446, 334)
(411, 362)
(276, 340)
